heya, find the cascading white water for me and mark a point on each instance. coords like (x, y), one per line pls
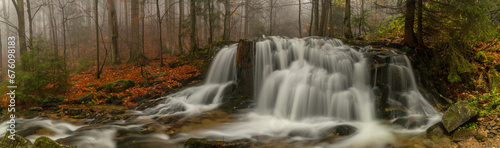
(207, 96)
(311, 78)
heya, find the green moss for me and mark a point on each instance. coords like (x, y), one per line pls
(78, 117)
(45, 142)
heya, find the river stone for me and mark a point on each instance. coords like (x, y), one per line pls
(436, 130)
(45, 142)
(462, 135)
(82, 99)
(119, 86)
(18, 142)
(458, 114)
(480, 135)
(340, 130)
(196, 143)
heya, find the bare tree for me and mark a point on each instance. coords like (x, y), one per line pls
(227, 20)
(159, 26)
(96, 20)
(134, 17)
(300, 23)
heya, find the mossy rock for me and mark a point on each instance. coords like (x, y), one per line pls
(78, 117)
(119, 86)
(203, 143)
(458, 114)
(46, 142)
(18, 142)
(82, 99)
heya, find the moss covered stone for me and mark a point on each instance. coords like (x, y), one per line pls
(46, 142)
(458, 114)
(18, 142)
(119, 86)
(198, 143)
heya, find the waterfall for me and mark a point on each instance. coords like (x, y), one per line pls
(194, 100)
(303, 88)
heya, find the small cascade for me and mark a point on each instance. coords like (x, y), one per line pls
(403, 87)
(207, 96)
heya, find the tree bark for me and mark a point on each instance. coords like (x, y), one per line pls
(312, 19)
(127, 41)
(194, 45)
(210, 22)
(347, 20)
(409, 35)
(113, 27)
(362, 15)
(53, 28)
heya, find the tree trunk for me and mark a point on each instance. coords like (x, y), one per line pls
(96, 8)
(159, 26)
(210, 21)
(324, 17)
(409, 35)
(127, 33)
(30, 24)
(311, 22)
(19, 5)
(64, 36)
(361, 17)
(347, 20)
(316, 16)
(179, 34)
(192, 15)
(225, 35)
(271, 18)
(247, 13)
(113, 27)
(53, 28)
(134, 17)
(420, 27)
(300, 23)
(142, 16)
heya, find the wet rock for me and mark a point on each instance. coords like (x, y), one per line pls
(462, 135)
(480, 135)
(458, 114)
(340, 130)
(197, 143)
(18, 142)
(410, 122)
(168, 119)
(141, 97)
(82, 99)
(45, 142)
(116, 112)
(436, 130)
(115, 100)
(36, 108)
(73, 111)
(119, 86)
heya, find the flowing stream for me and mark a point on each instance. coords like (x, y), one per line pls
(303, 88)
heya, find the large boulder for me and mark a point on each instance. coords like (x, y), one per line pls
(458, 114)
(119, 86)
(82, 99)
(18, 142)
(45, 142)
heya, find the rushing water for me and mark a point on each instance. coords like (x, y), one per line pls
(303, 87)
